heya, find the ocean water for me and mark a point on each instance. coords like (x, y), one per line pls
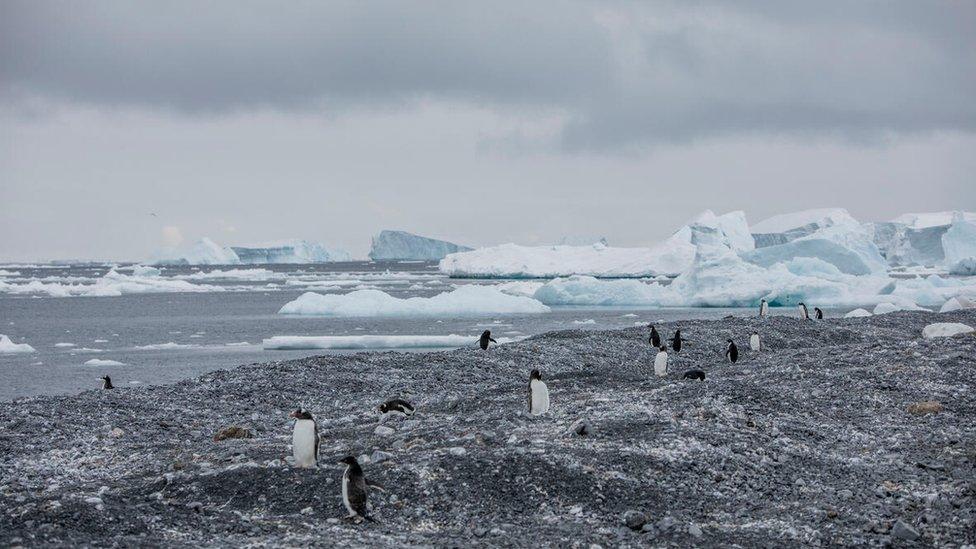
(167, 337)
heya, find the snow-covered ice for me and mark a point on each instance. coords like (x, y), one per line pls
(401, 245)
(291, 343)
(884, 308)
(956, 304)
(857, 313)
(203, 252)
(7, 346)
(112, 284)
(945, 329)
(959, 242)
(469, 300)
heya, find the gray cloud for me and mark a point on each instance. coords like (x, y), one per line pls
(624, 74)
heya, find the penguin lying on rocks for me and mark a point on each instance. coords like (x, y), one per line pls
(396, 407)
(694, 374)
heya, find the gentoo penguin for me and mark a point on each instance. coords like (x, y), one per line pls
(485, 338)
(754, 341)
(107, 383)
(305, 439)
(538, 394)
(803, 311)
(396, 407)
(676, 341)
(732, 352)
(661, 362)
(694, 374)
(763, 309)
(818, 313)
(354, 489)
(655, 338)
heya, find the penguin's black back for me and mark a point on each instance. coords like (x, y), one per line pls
(655, 338)
(694, 374)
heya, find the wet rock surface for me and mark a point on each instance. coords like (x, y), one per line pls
(809, 442)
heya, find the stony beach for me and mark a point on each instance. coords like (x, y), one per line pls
(840, 432)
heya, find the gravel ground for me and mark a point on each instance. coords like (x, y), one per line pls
(816, 441)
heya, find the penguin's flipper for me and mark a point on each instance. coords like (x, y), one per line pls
(374, 484)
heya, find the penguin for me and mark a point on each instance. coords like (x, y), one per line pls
(354, 489)
(305, 439)
(396, 407)
(485, 338)
(107, 383)
(818, 313)
(694, 374)
(661, 362)
(676, 341)
(754, 341)
(763, 309)
(732, 352)
(803, 311)
(538, 394)
(655, 338)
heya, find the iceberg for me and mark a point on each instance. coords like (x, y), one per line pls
(289, 251)
(903, 245)
(145, 270)
(303, 343)
(470, 300)
(784, 228)
(857, 313)
(401, 245)
(931, 219)
(8, 347)
(964, 267)
(668, 258)
(587, 290)
(957, 304)
(577, 240)
(204, 252)
(848, 246)
(959, 242)
(887, 307)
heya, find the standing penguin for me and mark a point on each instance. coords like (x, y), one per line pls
(655, 338)
(818, 313)
(485, 338)
(732, 352)
(754, 341)
(661, 362)
(676, 341)
(803, 311)
(305, 439)
(396, 407)
(538, 394)
(107, 383)
(763, 309)
(354, 485)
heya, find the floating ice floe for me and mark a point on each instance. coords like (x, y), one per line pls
(64, 345)
(112, 284)
(171, 345)
(145, 270)
(470, 300)
(232, 274)
(945, 329)
(8, 347)
(9, 273)
(857, 313)
(295, 343)
(103, 362)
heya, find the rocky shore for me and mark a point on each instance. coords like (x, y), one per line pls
(841, 432)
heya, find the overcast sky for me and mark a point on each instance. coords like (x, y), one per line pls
(480, 123)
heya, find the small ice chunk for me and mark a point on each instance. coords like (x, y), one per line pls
(945, 329)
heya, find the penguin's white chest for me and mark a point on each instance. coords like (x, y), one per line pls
(345, 492)
(540, 397)
(754, 342)
(803, 312)
(303, 443)
(661, 364)
(764, 309)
